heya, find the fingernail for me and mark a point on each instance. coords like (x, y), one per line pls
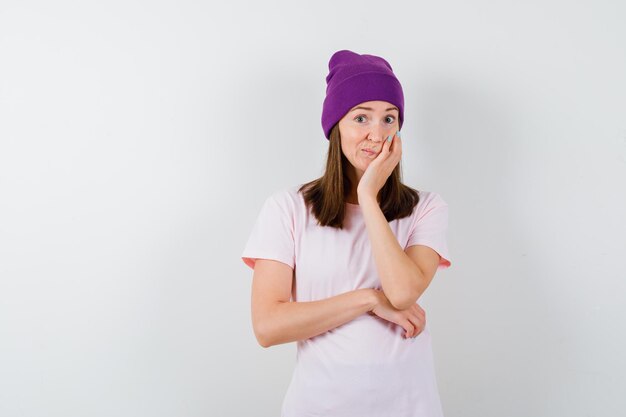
(398, 134)
(389, 138)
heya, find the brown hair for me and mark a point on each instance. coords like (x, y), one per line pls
(326, 195)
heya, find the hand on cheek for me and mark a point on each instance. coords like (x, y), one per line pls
(381, 167)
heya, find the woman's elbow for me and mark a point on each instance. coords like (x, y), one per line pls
(263, 336)
(401, 304)
(263, 342)
(404, 300)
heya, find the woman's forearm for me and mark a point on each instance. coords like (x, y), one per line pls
(291, 321)
(401, 279)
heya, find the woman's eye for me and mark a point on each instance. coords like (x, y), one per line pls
(389, 119)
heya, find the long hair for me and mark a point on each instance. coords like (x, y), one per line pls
(326, 195)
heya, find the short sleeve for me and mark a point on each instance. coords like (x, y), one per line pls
(272, 235)
(430, 227)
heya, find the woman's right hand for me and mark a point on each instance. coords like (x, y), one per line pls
(413, 319)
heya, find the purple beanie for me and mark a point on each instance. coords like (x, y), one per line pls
(353, 79)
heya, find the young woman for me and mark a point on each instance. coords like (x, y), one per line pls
(340, 262)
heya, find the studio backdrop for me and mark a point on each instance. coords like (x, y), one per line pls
(138, 141)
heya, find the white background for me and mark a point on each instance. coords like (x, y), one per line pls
(138, 141)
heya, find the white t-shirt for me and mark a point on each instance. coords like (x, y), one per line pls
(363, 368)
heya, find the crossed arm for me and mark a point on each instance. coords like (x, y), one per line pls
(404, 276)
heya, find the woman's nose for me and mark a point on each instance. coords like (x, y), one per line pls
(378, 133)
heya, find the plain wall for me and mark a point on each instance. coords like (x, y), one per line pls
(138, 141)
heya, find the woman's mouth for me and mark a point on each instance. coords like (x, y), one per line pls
(368, 152)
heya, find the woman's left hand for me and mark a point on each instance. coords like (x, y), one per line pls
(380, 168)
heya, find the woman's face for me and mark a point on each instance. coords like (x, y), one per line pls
(365, 127)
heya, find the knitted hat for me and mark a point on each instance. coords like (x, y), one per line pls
(354, 79)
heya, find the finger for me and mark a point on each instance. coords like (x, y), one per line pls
(421, 313)
(397, 140)
(390, 153)
(397, 145)
(418, 310)
(409, 327)
(388, 143)
(417, 325)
